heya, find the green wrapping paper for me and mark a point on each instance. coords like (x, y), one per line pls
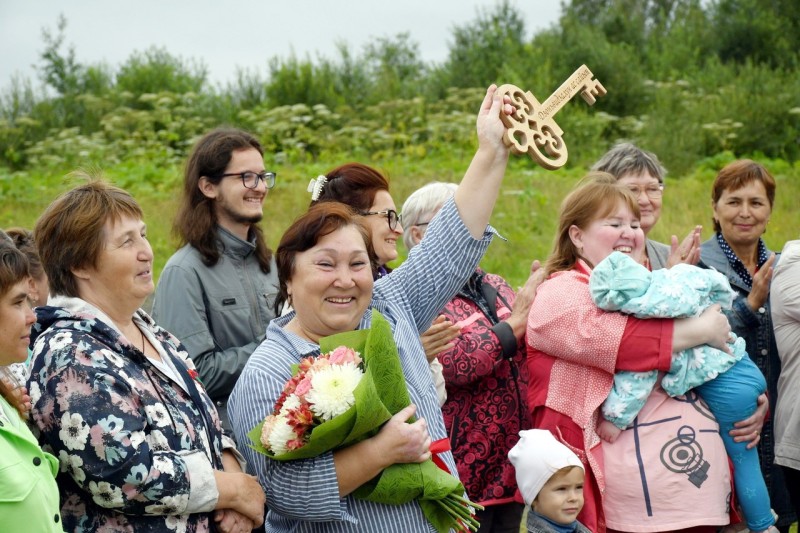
(380, 394)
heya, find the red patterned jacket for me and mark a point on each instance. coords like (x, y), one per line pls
(486, 393)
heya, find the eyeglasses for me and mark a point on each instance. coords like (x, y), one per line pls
(652, 191)
(250, 179)
(391, 216)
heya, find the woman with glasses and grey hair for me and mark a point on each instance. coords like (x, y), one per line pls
(366, 191)
(642, 173)
(479, 339)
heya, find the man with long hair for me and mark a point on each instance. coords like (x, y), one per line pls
(217, 292)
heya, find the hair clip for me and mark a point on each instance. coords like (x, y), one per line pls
(315, 187)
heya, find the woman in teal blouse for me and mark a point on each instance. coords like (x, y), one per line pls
(28, 490)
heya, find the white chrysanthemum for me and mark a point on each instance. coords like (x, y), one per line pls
(281, 434)
(74, 431)
(332, 389)
(291, 402)
(613, 409)
(697, 360)
(625, 387)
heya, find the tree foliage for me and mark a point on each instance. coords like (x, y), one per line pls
(688, 79)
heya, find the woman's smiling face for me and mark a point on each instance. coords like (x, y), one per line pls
(620, 231)
(649, 207)
(384, 239)
(331, 285)
(743, 214)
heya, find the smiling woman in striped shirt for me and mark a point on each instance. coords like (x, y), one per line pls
(324, 270)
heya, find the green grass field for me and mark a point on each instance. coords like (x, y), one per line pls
(525, 214)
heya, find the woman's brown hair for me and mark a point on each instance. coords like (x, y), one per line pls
(353, 184)
(596, 196)
(70, 234)
(13, 269)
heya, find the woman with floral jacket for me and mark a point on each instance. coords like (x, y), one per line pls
(114, 396)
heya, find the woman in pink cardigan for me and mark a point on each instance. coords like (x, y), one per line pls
(669, 470)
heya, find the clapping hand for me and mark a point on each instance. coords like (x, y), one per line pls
(761, 280)
(688, 251)
(439, 337)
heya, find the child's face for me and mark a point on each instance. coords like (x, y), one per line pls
(561, 498)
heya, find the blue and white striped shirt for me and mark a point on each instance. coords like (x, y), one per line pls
(303, 495)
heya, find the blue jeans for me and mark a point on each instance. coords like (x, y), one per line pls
(732, 396)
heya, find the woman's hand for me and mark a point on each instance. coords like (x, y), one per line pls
(437, 338)
(518, 319)
(478, 191)
(400, 442)
(490, 127)
(761, 280)
(749, 429)
(230, 521)
(711, 327)
(20, 392)
(241, 493)
(396, 442)
(24, 399)
(687, 251)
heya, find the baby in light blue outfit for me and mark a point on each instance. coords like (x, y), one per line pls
(730, 384)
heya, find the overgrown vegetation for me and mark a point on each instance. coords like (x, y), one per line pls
(697, 82)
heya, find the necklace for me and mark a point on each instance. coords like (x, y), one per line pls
(142, 334)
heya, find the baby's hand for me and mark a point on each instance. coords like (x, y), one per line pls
(608, 431)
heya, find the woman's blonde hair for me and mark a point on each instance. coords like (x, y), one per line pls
(596, 196)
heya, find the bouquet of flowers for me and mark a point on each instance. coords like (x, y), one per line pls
(345, 395)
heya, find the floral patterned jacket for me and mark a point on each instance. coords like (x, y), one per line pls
(136, 452)
(487, 393)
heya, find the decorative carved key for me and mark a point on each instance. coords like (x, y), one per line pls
(531, 128)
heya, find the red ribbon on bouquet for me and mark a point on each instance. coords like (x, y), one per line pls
(437, 447)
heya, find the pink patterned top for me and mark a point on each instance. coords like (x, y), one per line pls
(574, 348)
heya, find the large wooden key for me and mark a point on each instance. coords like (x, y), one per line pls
(531, 128)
